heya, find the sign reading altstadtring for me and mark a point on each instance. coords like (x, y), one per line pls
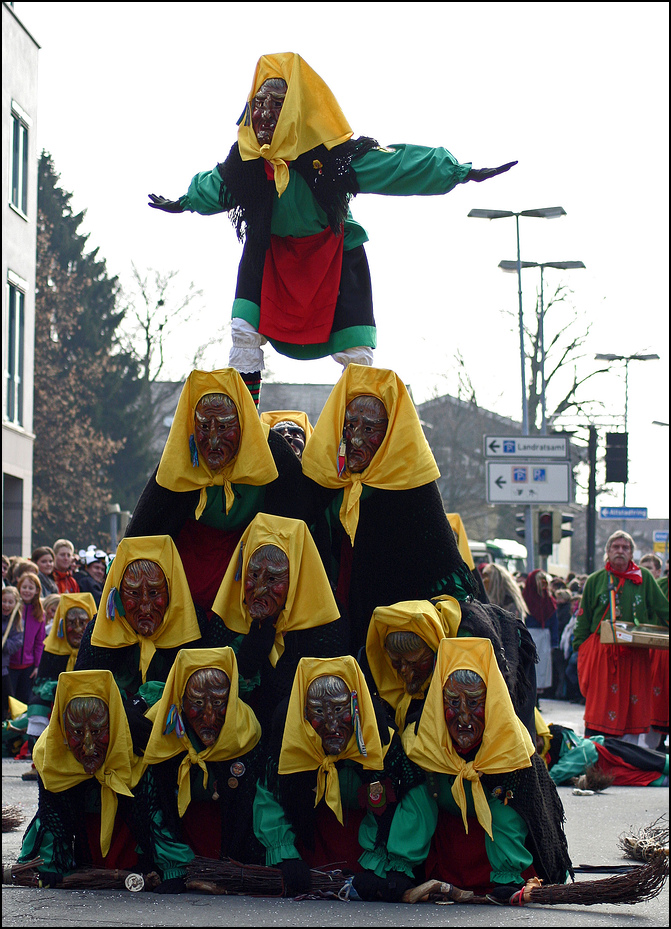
(623, 512)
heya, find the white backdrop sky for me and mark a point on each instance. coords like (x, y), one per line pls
(138, 97)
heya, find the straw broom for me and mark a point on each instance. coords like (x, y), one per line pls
(227, 876)
(12, 817)
(636, 886)
(642, 845)
(26, 874)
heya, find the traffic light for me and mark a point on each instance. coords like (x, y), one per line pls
(545, 532)
(565, 531)
(616, 457)
(520, 530)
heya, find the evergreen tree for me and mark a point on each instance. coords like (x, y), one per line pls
(82, 389)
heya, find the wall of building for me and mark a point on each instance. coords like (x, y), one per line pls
(19, 240)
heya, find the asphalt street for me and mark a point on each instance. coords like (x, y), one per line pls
(593, 825)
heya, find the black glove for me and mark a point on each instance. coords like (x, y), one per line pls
(503, 893)
(162, 203)
(255, 647)
(296, 875)
(140, 727)
(368, 885)
(390, 889)
(396, 885)
(50, 878)
(175, 885)
(483, 174)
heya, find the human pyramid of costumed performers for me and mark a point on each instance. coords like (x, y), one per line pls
(293, 664)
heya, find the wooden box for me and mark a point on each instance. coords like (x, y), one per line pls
(634, 636)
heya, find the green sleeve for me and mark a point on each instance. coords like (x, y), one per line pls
(45, 850)
(151, 692)
(203, 195)
(45, 689)
(507, 853)
(408, 170)
(170, 855)
(575, 756)
(411, 830)
(271, 827)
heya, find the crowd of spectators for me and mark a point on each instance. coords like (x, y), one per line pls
(31, 591)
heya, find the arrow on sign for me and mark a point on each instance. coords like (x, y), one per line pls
(500, 482)
(494, 446)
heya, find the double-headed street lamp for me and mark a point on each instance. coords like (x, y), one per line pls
(548, 212)
(563, 266)
(626, 359)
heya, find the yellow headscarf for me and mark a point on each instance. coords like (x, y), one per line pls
(431, 622)
(506, 745)
(302, 748)
(273, 417)
(58, 767)
(56, 643)
(543, 732)
(310, 600)
(454, 519)
(239, 734)
(111, 630)
(253, 463)
(310, 116)
(403, 461)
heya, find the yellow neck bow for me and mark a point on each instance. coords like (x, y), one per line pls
(506, 745)
(181, 469)
(239, 734)
(403, 461)
(56, 643)
(111, 630)
(430, 622)
(310, 600)
(302, 748)
(58, 767)
(310, 116)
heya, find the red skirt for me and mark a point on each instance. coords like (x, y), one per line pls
(615, 682)
(301, 281)
(335, 845)
(122, 852)
(205, 552)
(659, 672)
(460, 857)
(201, 827)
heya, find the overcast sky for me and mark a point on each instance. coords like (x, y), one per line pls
(138, 97)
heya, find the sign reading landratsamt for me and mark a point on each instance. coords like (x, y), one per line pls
(527, 446)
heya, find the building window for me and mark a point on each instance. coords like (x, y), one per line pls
(21, 123)
(15, 343)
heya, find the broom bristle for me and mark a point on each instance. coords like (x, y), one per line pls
(635, 886)
(227, 876)
(643, 844)
(593, 779)
(12, 817)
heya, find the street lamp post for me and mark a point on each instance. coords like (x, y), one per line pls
(626, 359)
(549, 212)
(561, 265)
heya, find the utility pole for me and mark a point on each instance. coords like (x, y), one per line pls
(591, 502)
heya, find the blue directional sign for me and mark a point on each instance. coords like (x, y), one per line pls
(623, 512)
